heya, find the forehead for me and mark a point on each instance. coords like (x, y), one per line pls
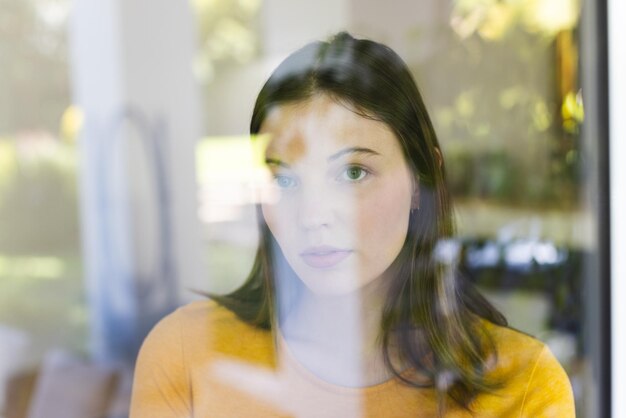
(321, 125)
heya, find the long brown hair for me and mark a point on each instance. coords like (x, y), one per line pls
(431, 316)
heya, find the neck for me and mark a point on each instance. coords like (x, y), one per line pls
(336, 336)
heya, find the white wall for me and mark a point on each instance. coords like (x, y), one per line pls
(132, 79)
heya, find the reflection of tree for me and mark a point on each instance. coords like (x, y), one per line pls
(38, 196)
(227, 32)
(508, 107)
(33, 71)
(34, 74)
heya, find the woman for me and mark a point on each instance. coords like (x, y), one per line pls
(353, 307)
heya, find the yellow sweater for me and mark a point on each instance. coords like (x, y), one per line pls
(174, 376)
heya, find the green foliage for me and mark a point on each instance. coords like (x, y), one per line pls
(38, 202)
(34, 77)
(227, 32)
(496, 107)
(52, 308)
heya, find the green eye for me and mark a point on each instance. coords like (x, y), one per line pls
(354, 173)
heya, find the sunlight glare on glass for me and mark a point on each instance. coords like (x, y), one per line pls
(38, 267)
(231, 174)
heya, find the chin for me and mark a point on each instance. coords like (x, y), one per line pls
(331, 289)
(335, 282)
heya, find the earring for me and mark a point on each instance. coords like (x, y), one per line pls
(415, 203)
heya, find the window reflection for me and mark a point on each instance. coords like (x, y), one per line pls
(501, 82)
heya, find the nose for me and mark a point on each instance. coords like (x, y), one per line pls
(315, 209)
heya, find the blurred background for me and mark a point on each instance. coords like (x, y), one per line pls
(127, 179)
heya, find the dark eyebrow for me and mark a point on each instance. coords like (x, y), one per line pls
(352, 150)
(275, 161)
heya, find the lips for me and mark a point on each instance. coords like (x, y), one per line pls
(324, 257)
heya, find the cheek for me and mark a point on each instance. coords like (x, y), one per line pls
(271, 215)
(383, 220)
(281, 222)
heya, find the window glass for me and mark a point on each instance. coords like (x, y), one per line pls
(501, 81)
(501, 84)
(41, 285)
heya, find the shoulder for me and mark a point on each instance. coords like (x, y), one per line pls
(521, 354)
(204, 329)
(515, 350)
(172, 363)
(530, 375)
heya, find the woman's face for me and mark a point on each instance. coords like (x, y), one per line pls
(344, 194)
